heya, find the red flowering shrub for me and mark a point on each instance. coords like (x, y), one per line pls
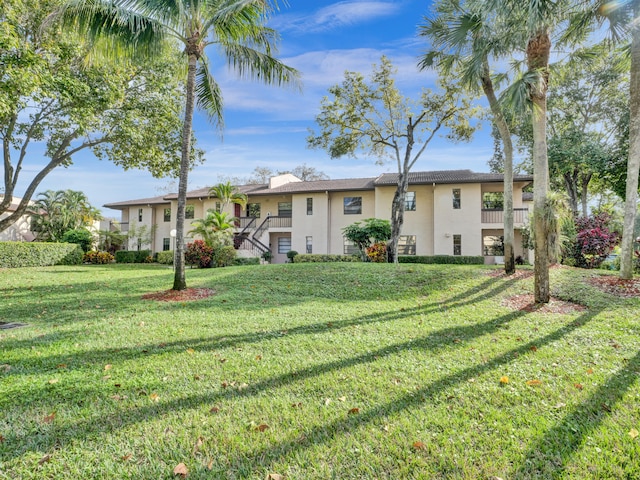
(594, 240)
(199, 253)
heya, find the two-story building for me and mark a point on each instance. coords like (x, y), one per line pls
(452, 212)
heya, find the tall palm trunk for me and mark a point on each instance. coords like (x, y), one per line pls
(538, 49)
(507, 145)
(179, 282)
(633, 163)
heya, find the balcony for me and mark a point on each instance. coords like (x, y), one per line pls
(520, 216)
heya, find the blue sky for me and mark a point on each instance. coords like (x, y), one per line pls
(267, 126)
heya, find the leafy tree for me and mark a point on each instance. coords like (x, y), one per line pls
(56, 212)
(216, 228)
(142, 235)
(594, 240)
(51, 95)
(374, 117)
(463, 43)
(307, 173)
(234, 27)
(364, 234)
(81, 236)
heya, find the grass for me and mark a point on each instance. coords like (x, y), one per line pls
(314, 371)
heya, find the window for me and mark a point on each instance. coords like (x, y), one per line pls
(457, 244)
(218, 207)
(350, 248)
(309, 245)
(410, 201)
(253, 210)
(166, 244)
(407, 245)
(493, 245)
(457, 204)
(352, 205)
(167, 214)
(189, 211)
(284, 209)
(284, 244)
(493, 201)
(309, 206)
(139, 214)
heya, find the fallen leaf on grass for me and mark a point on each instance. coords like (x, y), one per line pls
(534, 382)
(197, 377)
(45, 459)
(5, 367)
(419, 446)
(274, 476)
(181, 469)
(354, 411)
(1, 439)
(126, 458)
(327, 401)
(504, 379)
(196, 447)
(578, 386)
(62, 365)
(154, 397)
(633, 433)
(107, 367)
(49, 418)
(53, 381)
(258, 357)
(590, 371)
(533, 348)
(296, 405)
(262, 427)
(190, 351)
(214, 410)
(343, 399)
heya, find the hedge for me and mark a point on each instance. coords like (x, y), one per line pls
(246, 261)
(39, 254)
(165, 258)
(132, 256)
(317, 258)
(442, 259)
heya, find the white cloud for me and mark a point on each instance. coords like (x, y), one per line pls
(334, 16)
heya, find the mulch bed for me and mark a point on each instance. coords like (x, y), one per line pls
(185, 295)
(526, 303)
(616, 286)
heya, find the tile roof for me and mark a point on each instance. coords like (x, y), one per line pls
(448, 176)
(142, 201)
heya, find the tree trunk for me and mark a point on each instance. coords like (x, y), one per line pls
(633, 163)
(538, 49)
(179, 282)
(507, 145)
(570, 186)
(397, 216)
(583, 195)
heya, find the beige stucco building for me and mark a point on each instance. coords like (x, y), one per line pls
(453, 212)
(20, 230)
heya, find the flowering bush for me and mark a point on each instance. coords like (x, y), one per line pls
(98, 258)
(377, 252)
(199, 253)
(594, 240)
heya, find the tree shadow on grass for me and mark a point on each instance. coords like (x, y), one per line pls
(549, 456)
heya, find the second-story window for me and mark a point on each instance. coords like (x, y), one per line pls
(352, 205)
(410, 201)
(139, 214)
(309, 206)
(167, 214)
(284, 209)
(253, 210)
(457, 201)
(189, 211)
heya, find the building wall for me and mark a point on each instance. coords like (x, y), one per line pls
(315, 225)
(465, 221)
(338, 220)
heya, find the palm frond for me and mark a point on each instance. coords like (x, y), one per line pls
(256, 65)
(208, 93)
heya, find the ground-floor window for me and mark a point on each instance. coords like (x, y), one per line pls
(350, 248)
(457, 244)
(493, 245)
(284, 244)
(309, 245)
(407, 245)
(166, 244)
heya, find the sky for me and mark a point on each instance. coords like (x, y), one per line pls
(268, 126)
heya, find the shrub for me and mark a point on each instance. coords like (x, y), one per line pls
(291, 254)
(377, 252)
(37, 254)
(165, 258)
(246, 261)
(199, 253)
(133, 256)
(223, 256)
(442, 259)
(594, 241)
(319, 258)
(98, 258)
(80, 236)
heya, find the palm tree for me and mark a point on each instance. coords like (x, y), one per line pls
(227, 194)
(216, 227)
(463, 41)
(234, 27)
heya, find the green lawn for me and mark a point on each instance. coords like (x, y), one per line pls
(315, 371)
